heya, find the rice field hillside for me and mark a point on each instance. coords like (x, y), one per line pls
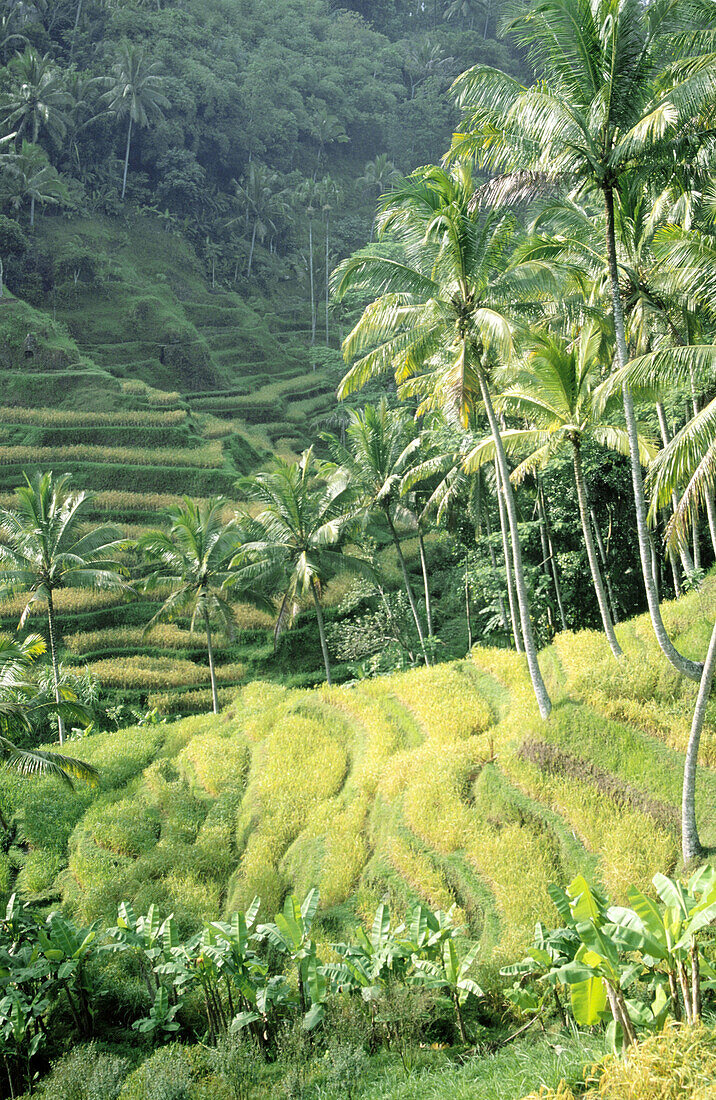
(146, 384)
(438, 784)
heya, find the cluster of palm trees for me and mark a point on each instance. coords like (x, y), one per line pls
(572, 282)
(44, 104)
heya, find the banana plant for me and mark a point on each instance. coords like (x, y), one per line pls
(67, 948)
(451, 972)
(376, 957)
(533, 978)
(149, 938)
(290, 934)
(160, 1022)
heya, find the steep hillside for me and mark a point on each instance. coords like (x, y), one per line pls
(441, 784)
(146, 385)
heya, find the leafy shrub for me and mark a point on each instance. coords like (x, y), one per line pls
(237, 1064)
(86, 1073)
(166, 1075)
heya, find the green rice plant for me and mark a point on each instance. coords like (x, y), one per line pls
(209, 456)
(163, 635)
(421, 874)
(444, 700)
(213, 762)
(187, 702)
(77, 418)
(159, 672)
(127, 827)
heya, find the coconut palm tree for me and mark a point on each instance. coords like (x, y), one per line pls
(30, 175)
(610, 103)
(134, 92)
(442, 318)
(379, 444)
(307, 509)
(193, 558)
(16, 712)
(555, 390)
(46, 543)
(36, 101)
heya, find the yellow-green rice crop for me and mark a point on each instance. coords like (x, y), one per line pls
(208, 456)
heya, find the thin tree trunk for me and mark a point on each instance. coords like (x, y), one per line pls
(591, 550)
(605, 565)
(212, 671)
(426, 583)
(55, 665)
(688, 668)
(327, 286)
(251, 252)
(313, 290)
(493, 564)
(321, 631)
(408, 586)
(686, 563)
(126, 157)
(696, 542)
(690, 843)
(516, 633)
(545, 554)
(695, 982)
(467, 606)
(552, 559)
(543, 700)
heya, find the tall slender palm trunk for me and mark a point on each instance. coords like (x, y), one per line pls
(426, 583)
(507, 554)
(126, 157)
(592, 551)
(540, 689)
(321, 631)
(408, 586)
(55, 663)
(686, 562)
(493, 566)
(542, 502)
(605, 565)
(212, 670)
(691, 669)
(690, 843)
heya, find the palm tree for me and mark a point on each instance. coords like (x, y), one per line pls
(16, 710)
(30, 176)
(257, 192)
(193, 558)
(606, 108)
(555, 390)
(378, 175)
(443, 309)
(134, 93)
(379, 444)
(45, 544)
(37, 100)
(307, 509)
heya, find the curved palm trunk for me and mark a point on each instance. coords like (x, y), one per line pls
(511, 597)
(212, 670)
(426, 583)
(592, 551)
(690, 843)
(543, 700)
(55, 665)
(321, 631)
(691, 669)
(126, 157)
(251, 251)
(408, 586)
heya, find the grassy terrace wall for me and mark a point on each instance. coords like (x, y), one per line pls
(441, 784)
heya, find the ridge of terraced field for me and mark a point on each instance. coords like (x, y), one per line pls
(441, 784)
(146, 385)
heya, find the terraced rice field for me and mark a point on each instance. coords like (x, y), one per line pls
(441, 784)
(140, 444)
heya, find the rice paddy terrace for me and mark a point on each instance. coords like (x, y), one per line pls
(441, 784)
(146, 385)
